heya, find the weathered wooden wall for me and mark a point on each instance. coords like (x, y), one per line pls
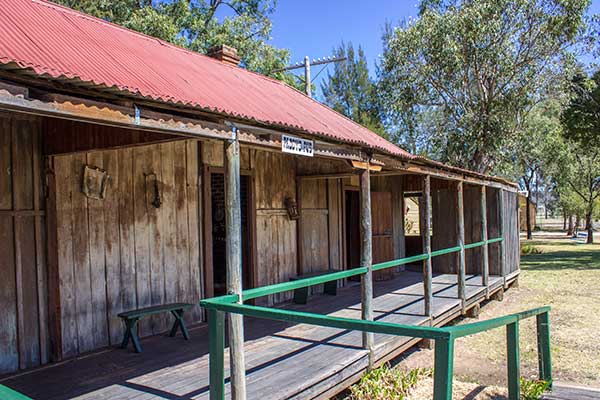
(274, 180)
(24, 340)
(444, 224)
(511, 229)
(121, 252)
(472, 207)
(493, 221)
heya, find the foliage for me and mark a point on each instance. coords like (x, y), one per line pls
(475, 69)
(578, 165)
(533, 389)
(386, 383)
(199, 25)
(349, 89)
(582, 117)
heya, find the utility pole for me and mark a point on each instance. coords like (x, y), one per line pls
(306, 65)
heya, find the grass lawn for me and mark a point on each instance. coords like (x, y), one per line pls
(566, 276)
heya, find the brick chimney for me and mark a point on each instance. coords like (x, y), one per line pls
(225, 54)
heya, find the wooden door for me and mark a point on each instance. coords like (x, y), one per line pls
(382, 222)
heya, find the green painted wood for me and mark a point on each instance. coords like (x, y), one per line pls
(216, 334)
(7, 393)
(285, 286)
(544, 355)
(443, 369)
(473, 245)
(329, 321)
(481, 326)
(513, 360)
(449, 250)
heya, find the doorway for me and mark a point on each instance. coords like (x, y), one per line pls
(216, 230)
(382, 230)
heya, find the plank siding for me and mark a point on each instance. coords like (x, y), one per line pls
(24, 340)
(274, 180)
(472, 210)
(121, 252)
(444, 226)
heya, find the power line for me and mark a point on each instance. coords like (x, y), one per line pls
(306, 65)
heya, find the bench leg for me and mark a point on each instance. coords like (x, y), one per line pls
(179, 323)
(130, 333)
(301, 295)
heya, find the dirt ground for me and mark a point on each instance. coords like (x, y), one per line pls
(566, 276)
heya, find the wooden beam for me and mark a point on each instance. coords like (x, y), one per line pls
(425, 216)
(233, 221)
(460, 213)
(366, 258)
(327, 176)
(484, 237)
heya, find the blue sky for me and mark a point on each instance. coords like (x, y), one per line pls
(313, 27)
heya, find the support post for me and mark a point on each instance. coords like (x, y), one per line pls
(426, 238)
(216, 340)
(461, 242)
(503, 242)
(543, 340)
(233, 244)
(485, 272)
(443, 369)
(307, 83)
(513, 361)
(366, 259)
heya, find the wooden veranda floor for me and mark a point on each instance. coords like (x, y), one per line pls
(282, 360)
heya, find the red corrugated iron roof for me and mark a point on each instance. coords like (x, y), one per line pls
(58, 42)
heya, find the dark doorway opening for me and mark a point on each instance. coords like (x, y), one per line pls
(219, 230)
(352, 225)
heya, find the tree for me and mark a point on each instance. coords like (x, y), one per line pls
(580, 168)
(349, 89)
(529, 156)
(582, 117)
(480, 67)
(195, 24)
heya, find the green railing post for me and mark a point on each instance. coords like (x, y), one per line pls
(543, 337)
(443, 369)
(216, 339)
(513, 362)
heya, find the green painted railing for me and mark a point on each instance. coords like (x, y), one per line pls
(7, 393)
(444, 337)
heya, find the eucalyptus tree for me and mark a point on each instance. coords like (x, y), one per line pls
(580, 166)
(479, 67)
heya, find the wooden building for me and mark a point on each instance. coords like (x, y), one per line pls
(113, 183)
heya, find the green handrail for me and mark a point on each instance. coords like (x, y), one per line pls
(444, 336)
(444, 340)
(7, 393)
(254, 293)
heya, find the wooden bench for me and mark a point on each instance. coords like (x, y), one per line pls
(301, 294)
(131, 318)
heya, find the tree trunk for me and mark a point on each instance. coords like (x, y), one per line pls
(528, 216)
(577, 222)
(564, 212)
(570, 229)
(589, 226)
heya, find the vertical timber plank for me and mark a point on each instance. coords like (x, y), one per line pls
(66, 273)
(426, 237)
(196, 282)
(97, 243)
(112, 250)
(81, 257)
(460, 214)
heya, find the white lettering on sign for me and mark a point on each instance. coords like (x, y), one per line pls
(296, 145)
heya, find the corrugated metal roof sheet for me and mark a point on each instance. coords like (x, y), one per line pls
(58, 42)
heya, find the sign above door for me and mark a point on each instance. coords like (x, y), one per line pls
(296, 145)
